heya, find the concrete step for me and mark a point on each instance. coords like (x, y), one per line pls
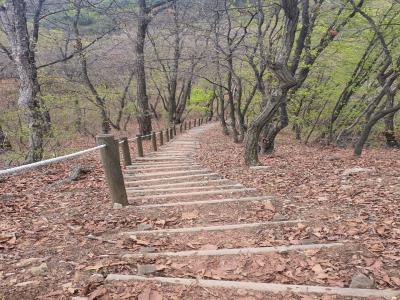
(132, 175)
(173, 179)
(261, 286)
(213, 228)
(205, 202)
(177, 189)
(190, 194)
(186, 184)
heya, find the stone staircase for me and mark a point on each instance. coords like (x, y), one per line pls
(220, 223)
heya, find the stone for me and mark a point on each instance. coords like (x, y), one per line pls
(77, 172)
(143, 227)
(146, 269)
(333, 158)
(147, 249)
(361, 281)
(31, 282)
(6, 196)
(96, 278)
(117, 206)
(356, 170)
(279, 217)
(27, 262)
(39, 270)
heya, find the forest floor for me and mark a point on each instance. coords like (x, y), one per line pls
(48, 223)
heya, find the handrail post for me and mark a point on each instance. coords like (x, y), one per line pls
(154, 141)
(194, 123)
(139, 145)
(185, 126)
(161, 138)
(167, 134)
(171, 133)
(125, 152)
(112, 168)
(174, 130)
(190, 124)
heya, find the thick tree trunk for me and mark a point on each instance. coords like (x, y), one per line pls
(270, 131)
(13, 19)
(142, 101)
(390, 136)
(254, 130)
(368, 127)
(4, 143)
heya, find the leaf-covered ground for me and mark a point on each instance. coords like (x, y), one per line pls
(343, 197)
(54, 233)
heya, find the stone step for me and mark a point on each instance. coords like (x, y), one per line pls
(214, 228)
(190, 188)
(186, 184)
(261, 286)
(234, 251)
(177, 168)
(190, 194)
(166, 159)
(173, 179)
(202, 202)
(135, 166)
(133, 175)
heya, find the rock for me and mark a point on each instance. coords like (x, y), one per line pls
(279, 217)
(143, 227)
(6, 196)
(147, 249)
(77, 172)
(27, 262)
(146, 269)
(356, 170)
(96, 278)
(22, 284)
(117, 206)
(39, 270)
(333, 158)
(361, 281)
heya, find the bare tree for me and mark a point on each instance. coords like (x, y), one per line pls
(13, 16)
(144, 16)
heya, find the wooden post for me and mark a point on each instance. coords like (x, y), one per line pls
(139, 145)
(174, 130)
(161, 138)
(112, 168)
(190, 124)
(171, 133)
(167, 134)
(154, 141)
(181, 128)
(125, 152)
(185, 126)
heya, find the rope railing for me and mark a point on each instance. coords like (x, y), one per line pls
(48, 161)
(110, 155)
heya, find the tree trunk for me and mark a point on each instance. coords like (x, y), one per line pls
(272, 131)
(254, 130)
(4, 143)
(13, 19)
(368, 127)
(144, 113)
(390, 136)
